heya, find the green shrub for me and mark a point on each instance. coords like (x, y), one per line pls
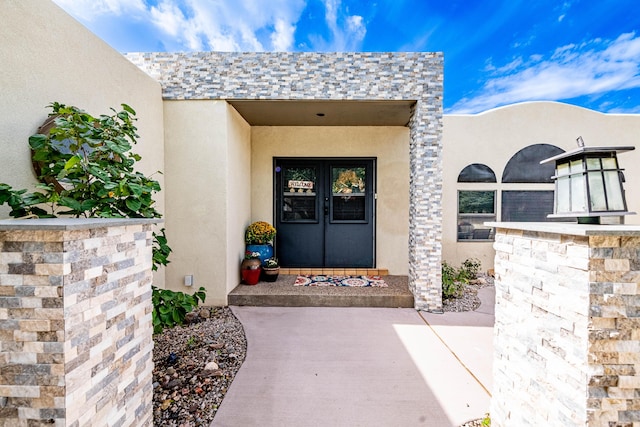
(452, 284)
(455, 279)
(470, 268)
(171, 307)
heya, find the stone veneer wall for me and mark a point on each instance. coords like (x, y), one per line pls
(75, 322)
(338, 76)
(567, 331)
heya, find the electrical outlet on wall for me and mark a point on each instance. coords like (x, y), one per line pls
(188, 280)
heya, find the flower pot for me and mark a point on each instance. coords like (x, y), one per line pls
(265, 251)
(250, 270)
(251, 277)
(270, 274)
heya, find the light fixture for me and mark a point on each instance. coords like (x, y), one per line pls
(588, 184)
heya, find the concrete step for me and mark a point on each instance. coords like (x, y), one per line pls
(282, 293)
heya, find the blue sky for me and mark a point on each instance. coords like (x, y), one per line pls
(497, 52)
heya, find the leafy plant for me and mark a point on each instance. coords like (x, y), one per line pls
(87, 170)
(161, 250)
(486, 421)
(455, 279)
(470, 268)
(270, 262)
(452, 284)
(171, 307)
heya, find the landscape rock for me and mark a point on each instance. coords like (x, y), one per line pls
(187, 395)
(211, 366)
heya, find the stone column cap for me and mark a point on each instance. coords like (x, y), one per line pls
(67, 224)
(570, 228)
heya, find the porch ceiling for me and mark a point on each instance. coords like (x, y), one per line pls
(336, 113)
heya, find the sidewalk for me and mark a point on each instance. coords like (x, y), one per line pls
(326, 366)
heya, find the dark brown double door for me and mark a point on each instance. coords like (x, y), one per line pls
(325, 212)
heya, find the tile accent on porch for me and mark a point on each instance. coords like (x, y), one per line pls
(336, 271)
(282, 293)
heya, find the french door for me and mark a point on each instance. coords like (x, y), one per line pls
(325, 212)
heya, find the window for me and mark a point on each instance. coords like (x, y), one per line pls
(525, 165)
(526, 206)
(477, 172)
(300, 199)
(474, 208)
(348, 193)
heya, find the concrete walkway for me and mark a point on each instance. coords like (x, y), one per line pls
(326, 366)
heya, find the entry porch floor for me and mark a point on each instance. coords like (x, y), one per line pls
(282, 293)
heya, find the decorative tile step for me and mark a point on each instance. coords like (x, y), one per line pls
(282, 293)
(337, 271)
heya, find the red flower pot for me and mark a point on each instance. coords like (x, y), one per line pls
(250, 270)
(251, 277)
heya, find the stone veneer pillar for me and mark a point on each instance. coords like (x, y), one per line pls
(567, 330)
(75, 322)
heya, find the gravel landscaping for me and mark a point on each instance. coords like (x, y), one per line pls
(196, 363)
(194, 366)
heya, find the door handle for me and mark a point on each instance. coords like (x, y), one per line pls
(326, 210)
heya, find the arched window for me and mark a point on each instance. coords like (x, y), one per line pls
(477, 172)
(475, 207)
(525, 165)
(520, 205)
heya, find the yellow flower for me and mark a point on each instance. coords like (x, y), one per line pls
(259, 233)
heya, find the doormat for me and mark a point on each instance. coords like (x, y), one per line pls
(355, 281)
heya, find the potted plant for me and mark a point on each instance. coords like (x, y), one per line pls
(270, 269)
(258, 237)
(250, 268)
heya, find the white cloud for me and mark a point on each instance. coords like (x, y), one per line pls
(282, 38)
(88, 10)
(347, 31)
(236, 25)
(591, 68)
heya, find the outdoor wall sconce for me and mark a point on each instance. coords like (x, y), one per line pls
(588, 184)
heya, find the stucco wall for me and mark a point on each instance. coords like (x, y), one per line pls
(48, 56)
(390, 145)
(207, 178)
(494, 136)
(239, 201)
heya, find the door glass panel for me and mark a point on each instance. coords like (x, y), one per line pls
(348, 180)
(300, 197)
(348, 194)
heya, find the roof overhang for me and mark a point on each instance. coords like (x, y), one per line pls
(262, 112)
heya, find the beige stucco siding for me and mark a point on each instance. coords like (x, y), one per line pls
(389, 145)
(493, 137)
(47, 56)
(209, 205)
(58, 59)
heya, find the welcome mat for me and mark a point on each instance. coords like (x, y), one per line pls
(356, 281)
